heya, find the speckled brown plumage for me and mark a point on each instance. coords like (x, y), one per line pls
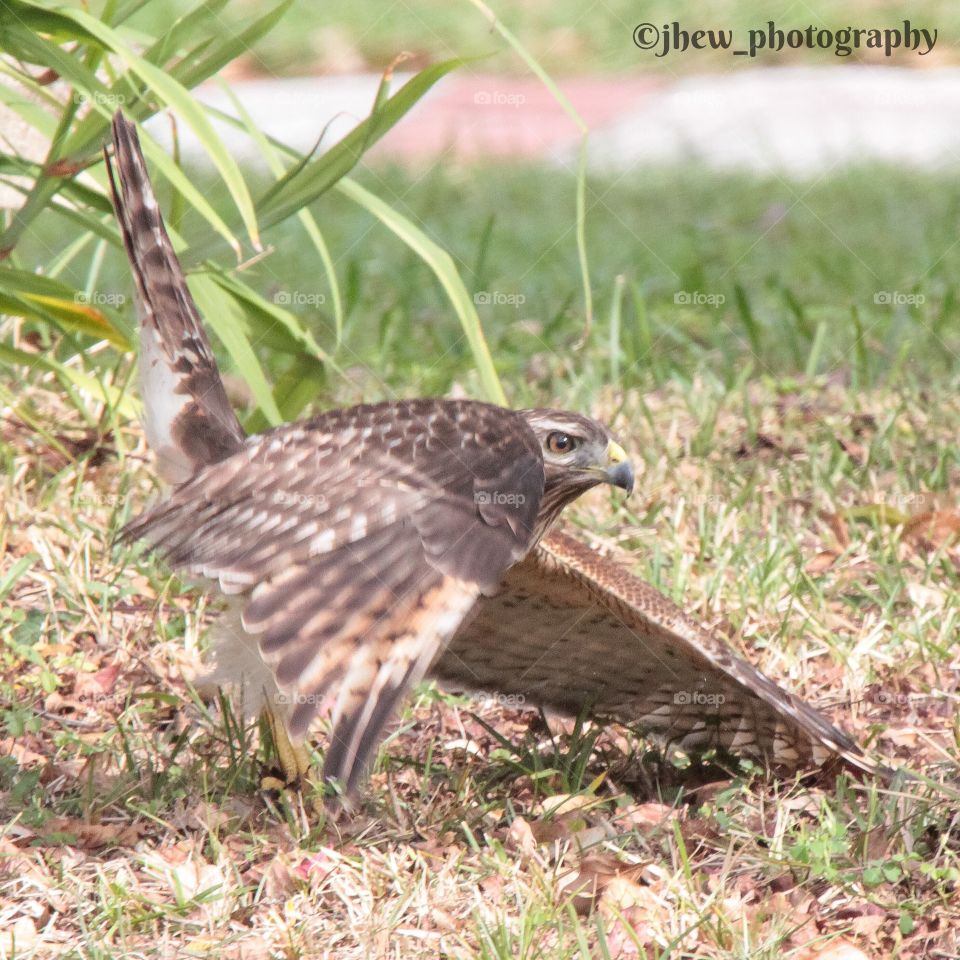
(363, 547)
(571, 629)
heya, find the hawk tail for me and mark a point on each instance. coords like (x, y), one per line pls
(187, 417)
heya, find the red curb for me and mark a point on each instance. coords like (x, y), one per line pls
(494, 116)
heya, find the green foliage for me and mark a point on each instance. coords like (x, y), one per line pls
(107, 64)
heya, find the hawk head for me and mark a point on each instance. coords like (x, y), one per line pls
(578, 453)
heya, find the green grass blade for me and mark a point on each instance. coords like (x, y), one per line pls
(91, 385)
(304, 184)
(570, 110)
(178, 97)
(442, 265)
(306, 218)
(35, 297)
(226, 317)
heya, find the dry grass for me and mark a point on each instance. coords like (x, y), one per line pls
(815, 527)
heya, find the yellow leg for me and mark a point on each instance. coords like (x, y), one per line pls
(293, 758)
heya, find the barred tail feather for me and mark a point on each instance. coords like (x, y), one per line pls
(188, 419)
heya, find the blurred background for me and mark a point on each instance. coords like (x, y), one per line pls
(791, 211)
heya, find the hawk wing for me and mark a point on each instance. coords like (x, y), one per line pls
(359, 541)
(573, 630)
(188, 419)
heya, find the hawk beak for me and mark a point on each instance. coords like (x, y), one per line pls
(619, 472)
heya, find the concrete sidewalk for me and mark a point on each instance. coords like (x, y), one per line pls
(798, 121)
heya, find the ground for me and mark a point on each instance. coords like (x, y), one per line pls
(796, 519)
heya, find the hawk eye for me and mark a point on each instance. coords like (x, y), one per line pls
(558, 442)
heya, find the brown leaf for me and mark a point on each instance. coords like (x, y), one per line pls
(838, 524)
(822, 562)
(646, 816)
(855, 451)
(933, 529)
(19, 939)
(868, 925)
(96, 686)
(632, 913)
(841, 949)
(585, 884)
(90, 836)
(520, 838)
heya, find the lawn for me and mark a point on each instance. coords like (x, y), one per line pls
(780, 359)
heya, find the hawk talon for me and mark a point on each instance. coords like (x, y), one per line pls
(293, 759)
(272, 783)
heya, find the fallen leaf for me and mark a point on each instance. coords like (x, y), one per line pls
(841, 949)
(95, 687)
(19, 939)
(587, 882)
(89, 836)
(867, 926)
(822, 562)
(520, 838)
(933, 529)
(838, 524)
(927, 598)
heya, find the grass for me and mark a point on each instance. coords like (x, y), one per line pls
(729, 276)
(787, 439)
(565, 37)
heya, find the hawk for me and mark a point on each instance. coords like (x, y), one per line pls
(366, 548)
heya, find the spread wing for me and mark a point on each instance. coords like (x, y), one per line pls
(571, 629)
(360, 540)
